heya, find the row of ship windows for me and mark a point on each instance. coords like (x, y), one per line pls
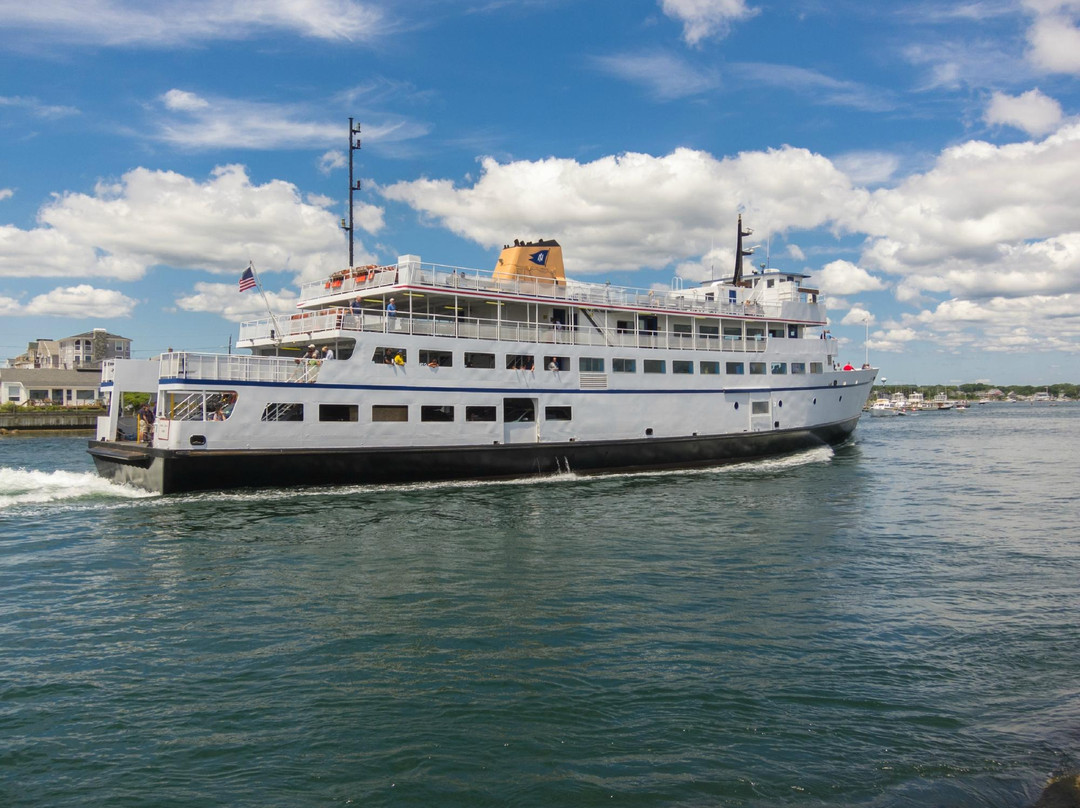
(593, 364)
(520, 410)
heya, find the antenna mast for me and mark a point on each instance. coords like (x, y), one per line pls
(740, 252)
(354, 185)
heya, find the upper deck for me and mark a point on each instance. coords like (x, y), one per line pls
(784, 299)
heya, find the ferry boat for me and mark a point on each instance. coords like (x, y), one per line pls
(440, 372)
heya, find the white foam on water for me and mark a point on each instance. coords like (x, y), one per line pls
(19, 487)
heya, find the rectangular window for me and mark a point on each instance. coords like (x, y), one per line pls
(735, 368)
(709, 368)
(437, 359)
(519, 362)
(480, 413)
(681, 329)
(755, 332)
(624, 365)
(389, 356)
(798, 367)
(709, 331)
(556, 413)
(682, 366)
(815, 367)
(283, 412)
(556, 362)
(436, 413)
(776, 331)
(759, 407)
(655, 366)
(757, 368)
(480, 360)
(779, 368)
(389, 412)
(84, 395)
(591, 364)
(339, 412)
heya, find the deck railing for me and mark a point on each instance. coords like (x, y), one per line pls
(450, 278)
(331, 323)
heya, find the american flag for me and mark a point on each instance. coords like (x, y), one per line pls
(247, 280)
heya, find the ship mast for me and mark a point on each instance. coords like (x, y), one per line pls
(354, 185)
(740, 252)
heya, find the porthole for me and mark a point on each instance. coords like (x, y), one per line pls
(198, 440)
(648, 432)
(841, 398)
(736, 405)
(780, 403)
(776, 424)
(815, 401)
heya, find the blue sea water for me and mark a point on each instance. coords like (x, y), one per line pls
(889, 623)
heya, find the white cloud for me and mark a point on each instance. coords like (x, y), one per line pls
(149, 218)
(6, 193)
(868, 167)
(38, 108)
(816, 86)
(159, 24)
(332, 160)
(72, 301)
(857, 315)
(845, 278)
(1054, 39)
(665, 77)
(703, 19)
(985, 220)
(222, 299)
(192, 121)
(634, 210)
(1033, 112)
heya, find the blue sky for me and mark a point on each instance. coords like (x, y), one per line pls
(920, 160)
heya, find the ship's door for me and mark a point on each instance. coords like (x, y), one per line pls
(519, 421)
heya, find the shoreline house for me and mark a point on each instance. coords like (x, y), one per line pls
(84, 351)
(65, 388)
(63, 372)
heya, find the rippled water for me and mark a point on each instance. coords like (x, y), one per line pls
(891, 623)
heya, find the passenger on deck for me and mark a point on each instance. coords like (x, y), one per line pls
(391, 309)
(849, 366)
(327, 353)
(357, 306)
(399, 360)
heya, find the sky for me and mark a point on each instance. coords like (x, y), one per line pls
(919, 160)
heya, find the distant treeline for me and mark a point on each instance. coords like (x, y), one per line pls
(978, 390)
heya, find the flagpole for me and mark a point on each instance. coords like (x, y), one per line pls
(273, 319)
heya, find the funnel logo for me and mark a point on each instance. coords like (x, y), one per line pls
(539, 257)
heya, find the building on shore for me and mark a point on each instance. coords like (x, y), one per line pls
(42, 386)
(84, 351)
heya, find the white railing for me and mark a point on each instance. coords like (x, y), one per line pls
(339, 321)
(231, 367)
(450, 278)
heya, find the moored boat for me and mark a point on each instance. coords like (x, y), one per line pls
(440, 372)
